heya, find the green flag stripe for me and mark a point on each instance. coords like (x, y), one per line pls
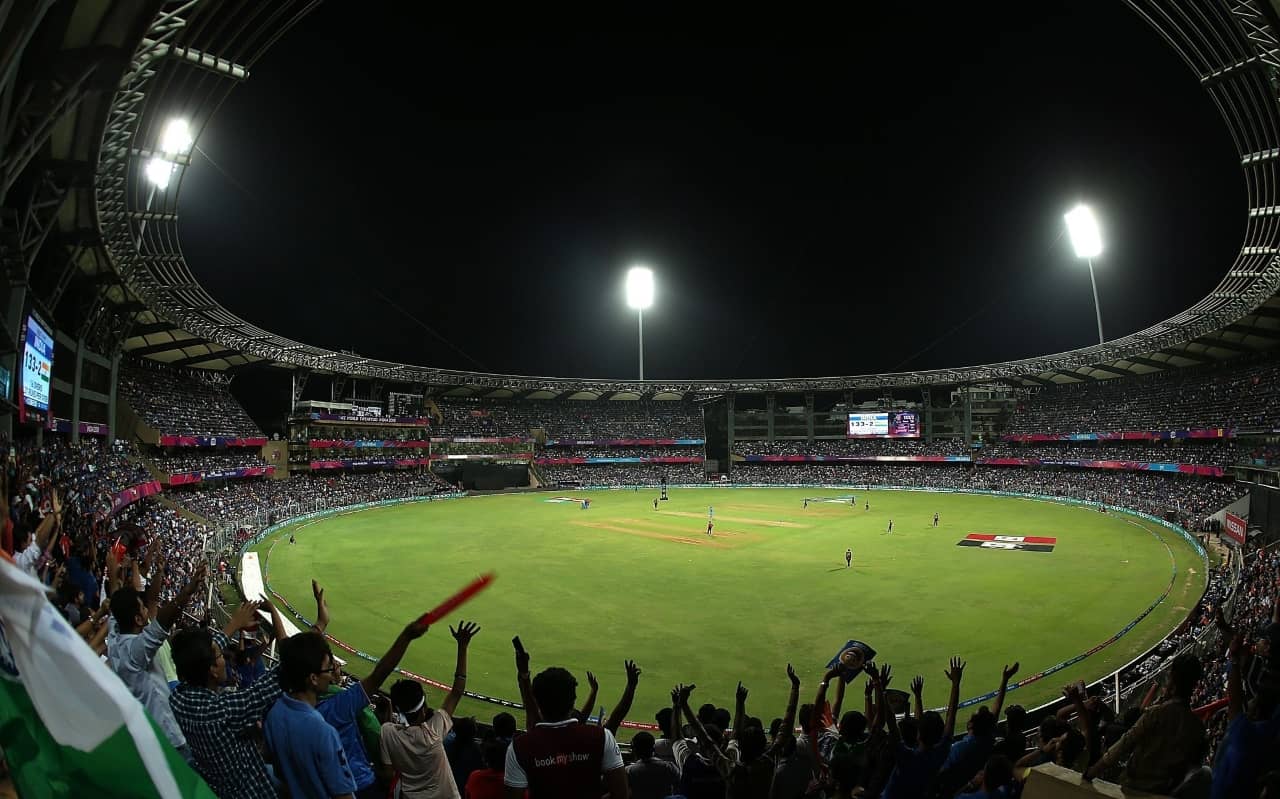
(42, 768)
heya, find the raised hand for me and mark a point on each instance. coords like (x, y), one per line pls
(741, 694)
(522, 656)
(591, 681)
(791, 675)
(1236, 650)
(956, 671)
(917, 685)
(633, 673)
(244, 615)
(317, 592)
(197, 575)
(885, 676)
(1072, 692)
(870, 686)
(265, 603)
(1009, 672)
(682, 693)
(833, 672)
(465, 632)
(415, 629)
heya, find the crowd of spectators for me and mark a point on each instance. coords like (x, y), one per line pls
(91, 471)
(1219, 452)
(1190, 498)
(183, 403)
(71, 484)
(621, 452)
(194, 460)
(348, 435)
(583, 419)
(1244, 393)
(238, 500)
(1258, 454)
(624, 474)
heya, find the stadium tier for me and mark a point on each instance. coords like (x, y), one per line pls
(177, 403)
(1242, 395)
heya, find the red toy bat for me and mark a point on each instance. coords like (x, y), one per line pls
(449, 605)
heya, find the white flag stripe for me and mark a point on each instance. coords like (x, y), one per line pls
(53, 664)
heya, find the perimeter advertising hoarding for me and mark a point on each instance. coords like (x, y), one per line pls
(1235, 528)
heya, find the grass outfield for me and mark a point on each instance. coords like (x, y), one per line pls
(587, 589)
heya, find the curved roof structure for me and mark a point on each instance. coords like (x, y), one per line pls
(118, 251)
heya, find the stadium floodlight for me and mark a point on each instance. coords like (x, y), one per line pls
(159, 171)
(1082, 226)
(176, 139)
(640, 296)
(1086, 239)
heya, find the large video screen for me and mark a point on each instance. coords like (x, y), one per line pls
(37, 364)
(889, 424)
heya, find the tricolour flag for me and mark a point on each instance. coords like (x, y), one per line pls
(68, 726)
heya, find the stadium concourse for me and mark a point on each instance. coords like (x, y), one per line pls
(79, 520)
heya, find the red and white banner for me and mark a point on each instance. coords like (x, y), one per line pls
(1235, 528)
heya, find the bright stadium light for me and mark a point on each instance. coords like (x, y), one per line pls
(640, 296)
(176, 139)
(1086, 239)
(1082, 226)
(640, 287)
(159, 171)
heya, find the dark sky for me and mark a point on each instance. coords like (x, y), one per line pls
(816, 195)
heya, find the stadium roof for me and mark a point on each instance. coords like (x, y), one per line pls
(116, 273)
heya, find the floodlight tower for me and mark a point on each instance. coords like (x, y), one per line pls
(640, 296)
(175, 141)
(1087, 241)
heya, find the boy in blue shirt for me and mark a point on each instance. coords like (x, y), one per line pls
(307, 751)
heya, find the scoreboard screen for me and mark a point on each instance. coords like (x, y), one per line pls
(37, 364)
(886, 424)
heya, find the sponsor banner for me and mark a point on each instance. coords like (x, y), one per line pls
(86, 429)
(1235, 528)
(362, 443)
(131, 495)
(224, 474)
(577, 461)
(857, 458)
(483, 440)
(625, 442)
(1030, 543)
(1199, 469)
(565, 500)
(415, 421)
(364, 462)
(1131, 435)
(1029, 539)
(212, 441)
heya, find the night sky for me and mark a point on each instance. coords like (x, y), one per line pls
(816, 195)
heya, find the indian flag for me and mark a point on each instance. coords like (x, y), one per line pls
(68, 726)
